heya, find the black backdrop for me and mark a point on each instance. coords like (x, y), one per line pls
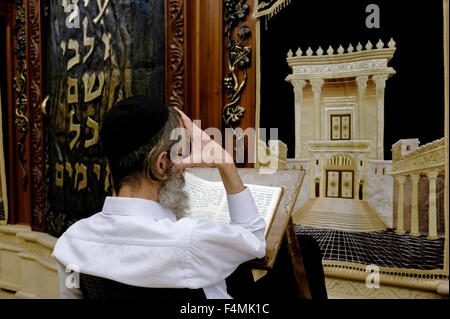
(414, 98)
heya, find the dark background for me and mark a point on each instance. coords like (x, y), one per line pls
(414, 98)
(3, 103)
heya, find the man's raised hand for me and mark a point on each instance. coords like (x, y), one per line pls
(204, 152)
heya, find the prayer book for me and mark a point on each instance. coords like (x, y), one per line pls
(208, 200)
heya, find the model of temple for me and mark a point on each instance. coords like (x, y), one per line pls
(347, 198)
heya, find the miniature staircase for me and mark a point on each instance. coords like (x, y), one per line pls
(340, 214)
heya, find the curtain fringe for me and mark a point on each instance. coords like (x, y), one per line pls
(273, 10)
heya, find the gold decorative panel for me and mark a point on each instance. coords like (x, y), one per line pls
(340, 127)
(332, 184)
(345, 127)
(347, 185)
(335, 128)
(340, 184)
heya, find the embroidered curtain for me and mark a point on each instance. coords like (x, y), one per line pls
(268, 8)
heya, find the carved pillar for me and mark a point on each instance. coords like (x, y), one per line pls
(298, 91)
(35, 91)
(318, 112)
(401, 189)
(312, 175)
(175, 49)
(432, 211)
(323, 177)
(415, 205)
(366, 175)
(361, 111)
(380, 81)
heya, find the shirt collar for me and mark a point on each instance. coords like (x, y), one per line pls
(136, 207)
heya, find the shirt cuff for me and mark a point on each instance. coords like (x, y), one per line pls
(242, 207)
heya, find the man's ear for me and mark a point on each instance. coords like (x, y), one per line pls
(162, 162)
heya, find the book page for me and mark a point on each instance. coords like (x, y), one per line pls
(205, 198)
(266, 199)
(208, 202)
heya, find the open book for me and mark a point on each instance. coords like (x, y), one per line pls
(208, 200)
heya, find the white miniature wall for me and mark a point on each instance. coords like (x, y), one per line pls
(379, 189)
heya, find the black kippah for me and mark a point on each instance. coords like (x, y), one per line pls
(130, 124)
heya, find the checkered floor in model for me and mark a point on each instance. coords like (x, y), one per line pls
(383, 248)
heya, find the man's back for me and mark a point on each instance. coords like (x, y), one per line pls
(140, 243)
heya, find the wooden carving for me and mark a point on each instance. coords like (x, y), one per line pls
(175, 63)
(239, 55)
(20, 83)
(35, 86)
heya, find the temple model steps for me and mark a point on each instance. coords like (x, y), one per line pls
(340, 214)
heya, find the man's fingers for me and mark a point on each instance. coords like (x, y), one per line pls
(187, 122)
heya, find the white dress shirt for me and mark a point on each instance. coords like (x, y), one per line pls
(141, 243)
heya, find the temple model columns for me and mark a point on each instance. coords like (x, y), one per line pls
(432, 205)
(317, 112)
(415, 205)
(362, 85)
(380, 81)
(432, 211)
(298, 91)
(401, 190)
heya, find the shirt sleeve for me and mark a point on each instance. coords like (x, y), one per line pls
(216, 250)
(65, 282)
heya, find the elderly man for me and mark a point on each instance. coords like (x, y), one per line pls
(140, 238)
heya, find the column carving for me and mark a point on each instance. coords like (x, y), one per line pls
(298, 91)
(401, 190)
(432, 209)
(312, 175)
(415, 205)
(380, 81)
(323, 177)
(366, 175)
(361, 111)
(318, 112)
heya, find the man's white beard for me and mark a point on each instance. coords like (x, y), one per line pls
(173, 196)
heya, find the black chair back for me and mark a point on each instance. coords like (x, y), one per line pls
(94, 287)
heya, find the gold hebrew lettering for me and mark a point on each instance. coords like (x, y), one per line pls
(69, 168)
(59, 178)
(73, 45)
(74, 128)
(72, 86)
(63, 47)
(80, 169)
(94, 140)
(89, 82)
(87, 41)
(102, 10)
(96, 170)
(108, 172)
(106, 38)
